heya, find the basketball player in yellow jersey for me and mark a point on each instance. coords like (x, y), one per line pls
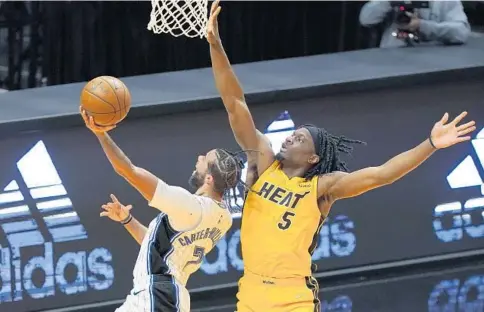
(293, 192)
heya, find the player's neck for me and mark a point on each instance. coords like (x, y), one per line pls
(292, 172)
(207, 191)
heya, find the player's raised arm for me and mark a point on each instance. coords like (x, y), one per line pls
(233, 98)
(352, 184)
(181, 206)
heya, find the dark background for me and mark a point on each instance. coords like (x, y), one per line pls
(458, 290)
(392, 223)
(446, 291)
(92, 38)
(57, 42)
(53, 42)
(455, 288)
(88, 39)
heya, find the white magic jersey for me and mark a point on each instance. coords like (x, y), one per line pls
(165, 251)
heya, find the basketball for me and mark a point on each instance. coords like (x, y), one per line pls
(106, 99)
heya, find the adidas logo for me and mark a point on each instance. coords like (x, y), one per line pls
(43, 182)
(467, 218)
(277, 132)
(466, 173)
(35, 210)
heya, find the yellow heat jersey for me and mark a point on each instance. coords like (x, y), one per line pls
(280, 225)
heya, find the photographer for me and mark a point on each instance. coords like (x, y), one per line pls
(442, 21)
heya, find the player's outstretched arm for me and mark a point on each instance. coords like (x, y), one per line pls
(118, 212)
(182, 207)
(443, 135)
(233, 98)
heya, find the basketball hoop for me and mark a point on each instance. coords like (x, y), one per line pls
(179, 18)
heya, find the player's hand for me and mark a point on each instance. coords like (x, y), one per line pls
(115, 210)
(213, 36)
(414, 23)
(91, 125)
(447, 134)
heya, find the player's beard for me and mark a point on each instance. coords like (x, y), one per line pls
(279, 157)
(196, 180)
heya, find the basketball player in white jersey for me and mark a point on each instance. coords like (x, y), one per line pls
(188, 227)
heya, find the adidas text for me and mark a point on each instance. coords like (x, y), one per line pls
(70, 273)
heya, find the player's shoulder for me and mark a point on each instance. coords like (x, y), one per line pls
(213, 206)
(226, 217)
(214, 211)
(206, 201)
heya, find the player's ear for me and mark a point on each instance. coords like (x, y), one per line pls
(313, 159)
(208, 179)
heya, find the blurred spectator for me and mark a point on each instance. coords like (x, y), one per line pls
(443, 21)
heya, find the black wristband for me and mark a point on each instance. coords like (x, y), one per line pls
(432, 143)
(127, 220)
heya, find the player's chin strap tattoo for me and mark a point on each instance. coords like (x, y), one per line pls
(230, 166)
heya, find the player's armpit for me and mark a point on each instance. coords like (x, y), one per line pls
(184, 209)
(343, 185)
(257, 145)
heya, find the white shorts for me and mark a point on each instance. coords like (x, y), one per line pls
(163, 295)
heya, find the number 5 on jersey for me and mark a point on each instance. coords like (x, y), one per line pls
(198, 254)
(286, 220)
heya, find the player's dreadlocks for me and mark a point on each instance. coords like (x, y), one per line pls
(227, 172)
(329, 148)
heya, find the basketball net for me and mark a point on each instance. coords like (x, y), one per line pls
(179, 18)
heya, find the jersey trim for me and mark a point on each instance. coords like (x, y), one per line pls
(259, 177)
(151, 246)
(177, 294)
(148, 258)
(314, 243)
(312, 284)
(274, 165)
(170, 251)
(162, 237)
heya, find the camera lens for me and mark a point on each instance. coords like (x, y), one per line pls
(402, 18)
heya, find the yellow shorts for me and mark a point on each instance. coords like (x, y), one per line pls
(261, 294)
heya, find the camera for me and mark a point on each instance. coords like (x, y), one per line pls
(401, 10)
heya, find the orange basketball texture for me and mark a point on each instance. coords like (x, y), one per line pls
(106, 99)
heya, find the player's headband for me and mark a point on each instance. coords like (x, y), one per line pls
(314, 132)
